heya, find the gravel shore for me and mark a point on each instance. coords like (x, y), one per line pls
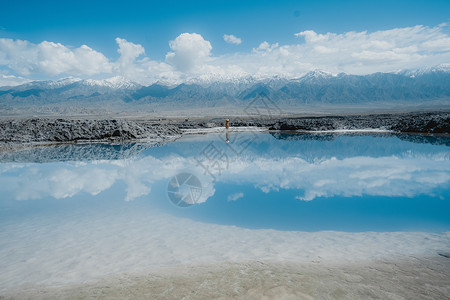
(412, 278)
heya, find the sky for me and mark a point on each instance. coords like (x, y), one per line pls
(178, 41)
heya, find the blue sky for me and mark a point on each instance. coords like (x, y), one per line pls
(153, 24)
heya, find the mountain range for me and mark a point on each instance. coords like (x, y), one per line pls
(316, 87)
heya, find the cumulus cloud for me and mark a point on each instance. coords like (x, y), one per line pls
(265, 47)
(234, 197)
(189, 51)
(380, 51)
(231, 39)
(353, 176)
(128, 54)
(36, 182)
(190, 56)
(51, 58)
(134, 65)
(63, 182)
(349, 52)
(11, 80)
(327, 178)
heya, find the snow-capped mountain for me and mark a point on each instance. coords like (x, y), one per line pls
(117, 82)
(316, 75)
(60, 83)
(414, 86)
(442, 68)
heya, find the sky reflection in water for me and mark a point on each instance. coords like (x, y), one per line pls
(257, 180)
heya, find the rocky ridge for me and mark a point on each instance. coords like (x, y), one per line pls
(417, 122)
(37, 130)
(41, 130)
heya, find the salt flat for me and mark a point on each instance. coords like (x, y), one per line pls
(138, 253)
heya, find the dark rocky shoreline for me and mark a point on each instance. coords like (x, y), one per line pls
(115, 131)
(429, 122)
(41, 130)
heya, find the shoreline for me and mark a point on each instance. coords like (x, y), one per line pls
(405, 277)
(29, 132)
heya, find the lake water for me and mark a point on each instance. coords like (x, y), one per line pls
(79, 211)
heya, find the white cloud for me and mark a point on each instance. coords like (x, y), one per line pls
(141, 70)
(64, 182)
(380, 51)
(352, 176)
(231, 39)
(350, 52)
(97, 176)
(189, 51)
(11, 80)
(190, 57)
(265, 47)
(128, 54)
(51, 58)
(234, 197)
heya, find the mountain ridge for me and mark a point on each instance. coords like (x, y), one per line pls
(317, 87)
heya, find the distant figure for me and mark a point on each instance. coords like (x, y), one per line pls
(227, 137)
(227, 123)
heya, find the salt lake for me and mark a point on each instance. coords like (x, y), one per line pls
(73, 213)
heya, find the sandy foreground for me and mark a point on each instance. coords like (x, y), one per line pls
(406, 278)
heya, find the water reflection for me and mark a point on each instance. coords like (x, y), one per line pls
(75, 152)
(294, 167)
(227, 136)
(414, 138)
(315, 165)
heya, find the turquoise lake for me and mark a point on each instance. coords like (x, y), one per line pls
(255, 180)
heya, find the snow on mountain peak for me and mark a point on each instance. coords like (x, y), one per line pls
(426, 70)
(63, 82)
(315, 74)
(116, 82)
(319, 73)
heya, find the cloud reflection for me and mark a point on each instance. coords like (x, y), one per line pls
(407, 176)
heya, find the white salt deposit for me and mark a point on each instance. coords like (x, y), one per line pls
(80, 246)
(222, 129)
(363, 130)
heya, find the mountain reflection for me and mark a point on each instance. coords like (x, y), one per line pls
(74, 152)
(311, 165)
